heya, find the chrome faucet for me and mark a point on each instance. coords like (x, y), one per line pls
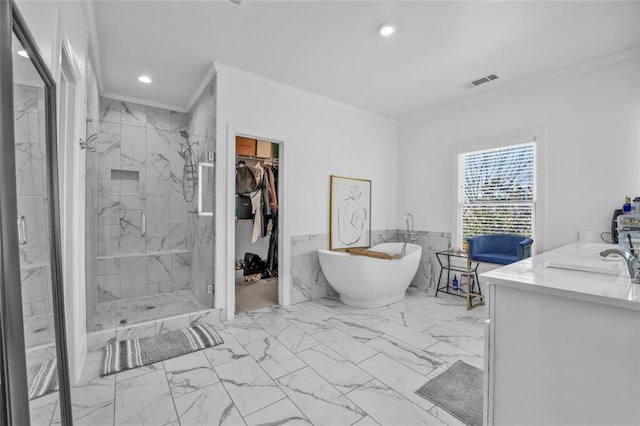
(632, 263)
(413, 237)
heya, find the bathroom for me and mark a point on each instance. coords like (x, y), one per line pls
(123, 277)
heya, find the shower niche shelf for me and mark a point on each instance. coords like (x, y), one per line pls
(125, 181)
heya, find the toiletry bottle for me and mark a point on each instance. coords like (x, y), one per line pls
(626, 207)
(454, 284)
(636, 206)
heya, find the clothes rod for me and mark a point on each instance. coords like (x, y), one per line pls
(250, 157)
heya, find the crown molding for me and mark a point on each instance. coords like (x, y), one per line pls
(92, 29)
(145, 102)
(284, 86)
(602, 62)
(203, 85)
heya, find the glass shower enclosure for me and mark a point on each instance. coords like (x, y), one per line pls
(149, 252)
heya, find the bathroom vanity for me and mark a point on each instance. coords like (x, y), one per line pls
(562, 345)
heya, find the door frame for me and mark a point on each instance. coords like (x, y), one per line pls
(284, 244)
(15, 403)
(71, 118)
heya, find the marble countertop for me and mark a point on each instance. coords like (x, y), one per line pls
(562, 272)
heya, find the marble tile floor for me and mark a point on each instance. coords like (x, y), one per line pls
(318, 362)
(145, 308)
(38, 330)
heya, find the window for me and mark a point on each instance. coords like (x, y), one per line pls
(497, 191)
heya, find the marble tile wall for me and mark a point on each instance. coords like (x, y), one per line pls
(140, 173)
(29, 113)
(308, 281)
(429, 269)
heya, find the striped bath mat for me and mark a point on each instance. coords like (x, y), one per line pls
(43, 379)
(132, 353)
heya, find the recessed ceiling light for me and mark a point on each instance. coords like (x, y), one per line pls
(144, 79)
(23, 53)
(387, 29)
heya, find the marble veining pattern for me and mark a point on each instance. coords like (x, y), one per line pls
(248, 385)
(321, 402)
(109, 314)
(388, 407)
(358, 373)
(139, 172)
(208, 406)
(32, 203)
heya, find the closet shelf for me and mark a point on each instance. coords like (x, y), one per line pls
(261, 159)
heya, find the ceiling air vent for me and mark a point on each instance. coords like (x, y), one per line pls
(480, 81)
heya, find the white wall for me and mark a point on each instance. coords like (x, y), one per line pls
(321, 137)
(592, 123)
(48, 21)
(324, 138)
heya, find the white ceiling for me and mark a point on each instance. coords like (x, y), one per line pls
(331, 47)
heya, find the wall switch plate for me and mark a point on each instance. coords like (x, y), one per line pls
(210, 288)
(211, 156)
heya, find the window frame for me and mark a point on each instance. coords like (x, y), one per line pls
(538, 137)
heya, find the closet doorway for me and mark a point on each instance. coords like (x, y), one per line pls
(257, 224)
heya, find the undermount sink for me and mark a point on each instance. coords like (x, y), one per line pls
(604, 267)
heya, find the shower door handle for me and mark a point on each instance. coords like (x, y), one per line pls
(22, 230)
(143, 232)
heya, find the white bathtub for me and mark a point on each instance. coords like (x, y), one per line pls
(366, 282)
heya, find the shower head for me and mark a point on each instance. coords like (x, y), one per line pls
(183, 151)
(184, 134)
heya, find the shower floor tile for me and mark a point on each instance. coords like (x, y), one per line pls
(144, 308)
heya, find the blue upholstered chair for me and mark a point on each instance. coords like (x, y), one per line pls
(501, 249)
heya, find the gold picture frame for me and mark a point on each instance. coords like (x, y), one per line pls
(349, 213)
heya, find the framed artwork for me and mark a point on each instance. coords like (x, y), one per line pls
(349, 213)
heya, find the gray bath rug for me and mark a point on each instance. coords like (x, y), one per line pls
(43, 379)
(133, 353)
(459, 391)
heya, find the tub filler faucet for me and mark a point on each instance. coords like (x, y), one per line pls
(404, 249)
(411, 233)
(632, 263)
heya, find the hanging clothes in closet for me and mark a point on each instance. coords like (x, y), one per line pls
(254, 182)
(272, 255)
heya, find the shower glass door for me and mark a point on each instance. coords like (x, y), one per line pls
(33, 234)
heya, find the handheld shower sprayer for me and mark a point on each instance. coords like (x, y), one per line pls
(189, 173)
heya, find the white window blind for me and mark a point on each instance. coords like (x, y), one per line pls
(497, 191)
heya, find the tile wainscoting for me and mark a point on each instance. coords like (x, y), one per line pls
(308, 281)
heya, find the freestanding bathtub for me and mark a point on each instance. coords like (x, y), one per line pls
(367, 282)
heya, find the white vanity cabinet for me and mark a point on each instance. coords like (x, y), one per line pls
(562, 346)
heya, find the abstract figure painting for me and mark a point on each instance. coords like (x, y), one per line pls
(350, 213)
